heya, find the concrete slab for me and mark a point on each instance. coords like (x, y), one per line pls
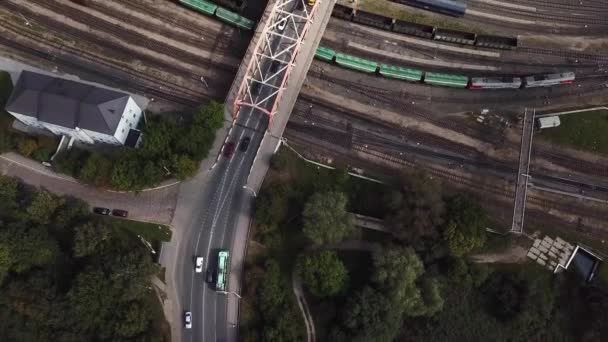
(532, 256)
(541, 261)
(536, 243)
(534, 251)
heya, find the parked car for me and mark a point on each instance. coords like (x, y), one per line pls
(210, 276)
(199, 264)
(229, 149)
(101, 211)
(188, 320)
(120, 213)
(245, 144)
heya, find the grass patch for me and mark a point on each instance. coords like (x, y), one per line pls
(400, 12)
(149, 231)
(583, 131)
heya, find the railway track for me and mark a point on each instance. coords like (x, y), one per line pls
(189, 39)
(76, 58)
(599, 6)
(472, 185)
(135, 38)
(508, 58)
(550, 17)
(188, 25)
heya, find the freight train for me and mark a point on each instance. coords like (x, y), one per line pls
(421, 30)
(448, 80)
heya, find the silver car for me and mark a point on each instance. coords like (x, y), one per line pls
(188, 319)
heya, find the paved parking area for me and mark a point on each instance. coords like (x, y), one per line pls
(156, 205)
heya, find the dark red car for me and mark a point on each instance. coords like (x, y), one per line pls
(120, 213)
(229, 149)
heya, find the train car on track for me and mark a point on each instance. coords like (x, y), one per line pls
(413, 29)
(202, 6)
(374, 20)
(342, 12)
(454, 36)
(234, 19)
(356, 63)
(399, 73)
(496, 42)
(495, 83)
(221, 13)
(548, 80)
(447, 80)
(448, 7)
(325, 54)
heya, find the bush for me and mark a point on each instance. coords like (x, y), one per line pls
(96, 170)
(323, 274)
(27, 146)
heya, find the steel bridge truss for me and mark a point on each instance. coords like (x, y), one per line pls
(274, 55)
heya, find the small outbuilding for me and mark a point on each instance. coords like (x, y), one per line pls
(547, 122)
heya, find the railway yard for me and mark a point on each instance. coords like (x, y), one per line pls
(180, 58)
(393, 88)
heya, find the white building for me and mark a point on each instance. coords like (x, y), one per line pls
(80, 111)
(548, 122)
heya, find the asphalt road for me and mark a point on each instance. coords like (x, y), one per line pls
(223, 200)
(212, 229)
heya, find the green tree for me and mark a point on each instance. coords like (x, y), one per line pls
(90, 237)
(185, 167)
(27, 146)
(326, 219)
(466, 226)
(23, 247)
(416, 210)
(9, 189)
(134, 321)
(397, 272)
(158, 136)
(96, 170)
(370, 316)
(323, 273)
(272, 293)
(44, 206)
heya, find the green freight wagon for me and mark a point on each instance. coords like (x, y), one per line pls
(356, 63)
(234, 19)
(325, 54)
(222, 271)
(455, 81)
(400, 73)
(200, 6)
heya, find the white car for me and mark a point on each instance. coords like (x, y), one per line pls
(199, 264)
(188, 319)
(282, 24)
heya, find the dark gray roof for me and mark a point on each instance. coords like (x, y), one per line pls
(67, 103)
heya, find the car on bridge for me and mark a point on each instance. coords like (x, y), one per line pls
(245, 144)
(229, 149)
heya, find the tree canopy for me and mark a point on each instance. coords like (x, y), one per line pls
(323, 273)
(416, 210)
(326, 219)
(466, 224)
(67, 276)
(398, 271)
